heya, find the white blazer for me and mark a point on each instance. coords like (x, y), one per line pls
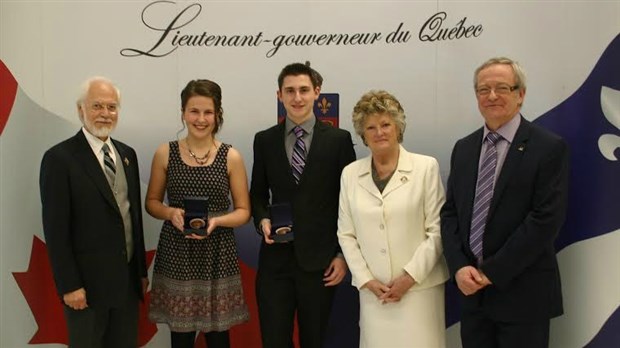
(384, 234)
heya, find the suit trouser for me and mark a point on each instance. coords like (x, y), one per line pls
(480, 331)
(103, 326)
(282, 288)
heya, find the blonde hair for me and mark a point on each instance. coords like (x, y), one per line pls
(378, 102)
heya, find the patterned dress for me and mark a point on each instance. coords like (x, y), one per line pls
(197, 283)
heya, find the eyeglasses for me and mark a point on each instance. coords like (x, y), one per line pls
(498, 90)
(96, 106)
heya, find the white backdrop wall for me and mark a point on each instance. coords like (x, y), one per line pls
(50, 47)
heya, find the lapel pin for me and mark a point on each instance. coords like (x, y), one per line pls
(521, 148)
(404, 179)
(126, 161)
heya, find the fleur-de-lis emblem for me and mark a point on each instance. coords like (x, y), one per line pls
(324, 105)
(610, 103)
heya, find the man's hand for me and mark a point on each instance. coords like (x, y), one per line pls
(398, 288)
(335, 272)
(145, 286)
(485, 281)
(265, 225)
(470, 280)
(76, 299)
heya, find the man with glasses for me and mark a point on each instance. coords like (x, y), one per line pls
(92, 220)
(506, 202)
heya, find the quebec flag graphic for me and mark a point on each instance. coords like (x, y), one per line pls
(589, 244)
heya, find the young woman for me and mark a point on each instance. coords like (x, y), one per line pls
(196, 278)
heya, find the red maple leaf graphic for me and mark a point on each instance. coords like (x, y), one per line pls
(7, 94)
(246, 335)
(146, 329)
(37, 286)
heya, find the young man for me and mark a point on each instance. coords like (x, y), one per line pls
(299, 162)
(92, 220)
(505, 204)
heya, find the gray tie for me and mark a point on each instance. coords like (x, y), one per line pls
(108, 165)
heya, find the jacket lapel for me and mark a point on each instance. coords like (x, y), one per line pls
(315, 147)
(512, 162)
(402, 174)
(279, 148)
(365, 178)
(91, 166)
(470, 172)
(129, 168)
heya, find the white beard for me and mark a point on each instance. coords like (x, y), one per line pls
(99, 132)
(102, 132)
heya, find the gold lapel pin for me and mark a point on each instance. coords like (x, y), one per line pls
(126, 161)
(404, 179)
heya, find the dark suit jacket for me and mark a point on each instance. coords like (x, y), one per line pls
(315, 200)
(527, 211)
(83, 225)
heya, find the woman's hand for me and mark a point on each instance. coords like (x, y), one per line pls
(398, 288)
(376, 287)
(177, 218)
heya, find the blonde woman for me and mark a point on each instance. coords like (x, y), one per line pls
(388, 228)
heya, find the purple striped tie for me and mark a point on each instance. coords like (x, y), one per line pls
(484, 193)
(298, 160)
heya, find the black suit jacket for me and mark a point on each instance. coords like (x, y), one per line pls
(527, 211)
(83, 226)
(315, 200)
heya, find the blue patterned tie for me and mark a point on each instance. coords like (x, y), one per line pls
(298, 160)
(484, 193)
(108, 165)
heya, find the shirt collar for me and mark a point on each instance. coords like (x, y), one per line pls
(307, 126)
(96, 144)
(507, 130)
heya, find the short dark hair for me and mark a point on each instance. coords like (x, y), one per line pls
(296, 69)
(209, 89)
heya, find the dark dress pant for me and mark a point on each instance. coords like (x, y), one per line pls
(103, 326)
(480, 331)
(283, 289)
